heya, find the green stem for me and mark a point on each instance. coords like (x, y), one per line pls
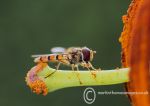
(68, 78)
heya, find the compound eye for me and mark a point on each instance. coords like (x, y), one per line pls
(86, 54)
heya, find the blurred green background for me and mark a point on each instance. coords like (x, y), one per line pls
(34, 26)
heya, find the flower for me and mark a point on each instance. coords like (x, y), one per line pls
(36, 84)
(135, 41)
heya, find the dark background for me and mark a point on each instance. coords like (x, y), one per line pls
(34, 26)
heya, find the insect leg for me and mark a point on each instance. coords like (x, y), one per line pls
(86, 65)
(58, 65)
(77, 73)
(72, 66)
(91, 66)
(77, 68)
(50, 74)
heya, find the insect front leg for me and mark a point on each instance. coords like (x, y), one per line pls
(91, 66)
(86, 65)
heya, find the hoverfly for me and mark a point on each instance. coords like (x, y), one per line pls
(73, 56)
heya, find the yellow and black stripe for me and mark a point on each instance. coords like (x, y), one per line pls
(51, 58)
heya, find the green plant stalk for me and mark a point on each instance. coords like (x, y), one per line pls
(68, 78)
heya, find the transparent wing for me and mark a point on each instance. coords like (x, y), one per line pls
(40, 55)
(58, 50)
